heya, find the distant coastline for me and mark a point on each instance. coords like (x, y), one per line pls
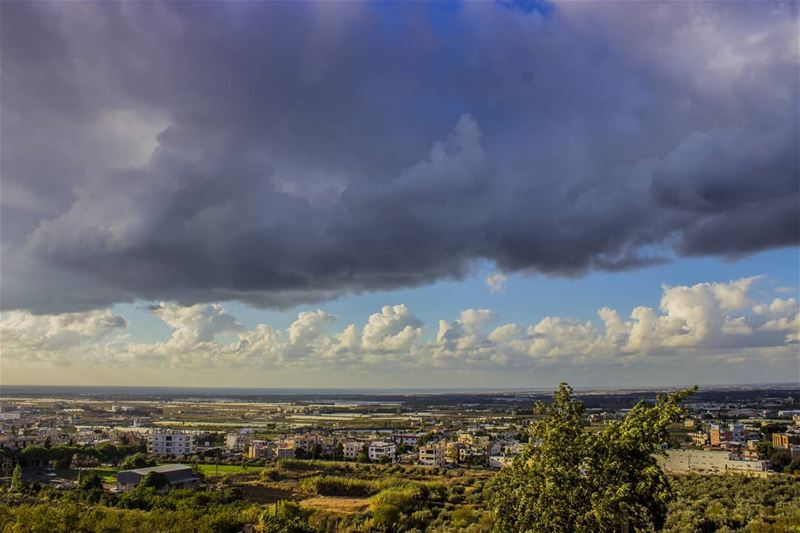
(294, 393)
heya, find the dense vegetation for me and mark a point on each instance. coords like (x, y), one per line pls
(456, 501)
(735, 503)
(63, 456)
(568, 479)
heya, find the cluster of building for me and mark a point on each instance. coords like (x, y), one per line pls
(18, 431)
(442, 447)
(719, 448)
(725, 435)
(436, 449)
(471, 449)
(742, 439)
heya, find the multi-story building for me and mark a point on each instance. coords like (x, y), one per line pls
(432, 455)
(736, 431)
(170, 442)
(451, 451)
(717, 435)
(379, 449)
(238, 440)
(309, 441)
(351, 448)
(261, 449)
(699, 438)
(785, 440)
(474, 440)
(710, 462)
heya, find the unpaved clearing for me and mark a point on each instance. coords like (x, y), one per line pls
(337, 504)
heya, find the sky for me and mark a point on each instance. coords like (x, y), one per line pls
(447, 194)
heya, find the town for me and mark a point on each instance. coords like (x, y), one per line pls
(52, 438)
(257, 461)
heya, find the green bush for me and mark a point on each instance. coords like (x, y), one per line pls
(405, 497)
(271, 474)
(386, 516)
(339, 486)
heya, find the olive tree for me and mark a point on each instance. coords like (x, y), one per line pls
(568, 479)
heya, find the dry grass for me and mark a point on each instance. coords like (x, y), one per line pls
(337, 504)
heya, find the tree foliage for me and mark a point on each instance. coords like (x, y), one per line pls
(137, 460)
(567, 479)
(156, 480)
(16, 479)
(735, 503)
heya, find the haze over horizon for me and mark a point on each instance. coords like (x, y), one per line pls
(407, 195)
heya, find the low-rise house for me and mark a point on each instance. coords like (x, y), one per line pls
(506, 447)
(499, 461)
(178, 475)
(472, 455)
(309, 441)
(408, 439)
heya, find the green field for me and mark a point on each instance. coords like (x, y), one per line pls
(107, 473)
(212, 469)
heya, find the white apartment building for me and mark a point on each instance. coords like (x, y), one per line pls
(709, 462)
(170, 442)
(379, 449)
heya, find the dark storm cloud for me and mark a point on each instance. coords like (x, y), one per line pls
(279, 153)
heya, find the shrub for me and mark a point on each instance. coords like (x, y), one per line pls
(271, 474)
(405, 497)
(339, 486)
(463, 517)
(385, 516)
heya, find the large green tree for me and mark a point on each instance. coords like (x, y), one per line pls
(568, 479)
